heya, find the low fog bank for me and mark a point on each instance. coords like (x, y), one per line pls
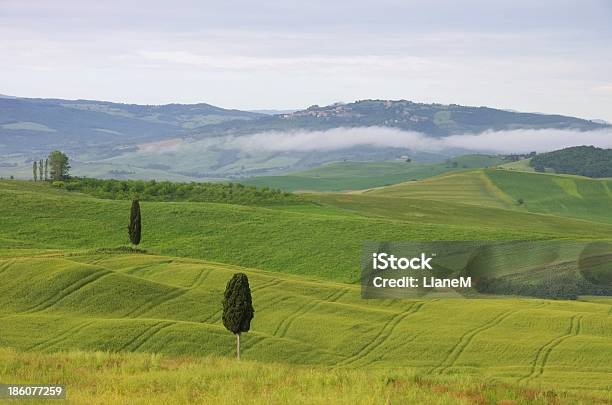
(505, 142)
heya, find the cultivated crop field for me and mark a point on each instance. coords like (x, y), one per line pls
(158, 304)
(340, 176)
(74, 301)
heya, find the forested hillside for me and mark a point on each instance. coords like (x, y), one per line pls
(586, 161)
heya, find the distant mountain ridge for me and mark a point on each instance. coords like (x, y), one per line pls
(186, 141)
(436, 120)
(27, 123)
(72, 124)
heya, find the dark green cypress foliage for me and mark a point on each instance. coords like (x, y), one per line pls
(134, 228)
(238, 307)
(40, 169)
(34, 170)
(46, 169)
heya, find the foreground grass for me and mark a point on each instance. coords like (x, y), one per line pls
(111, 378)
(144, 303)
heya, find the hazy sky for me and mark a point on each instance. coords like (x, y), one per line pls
(549, 55)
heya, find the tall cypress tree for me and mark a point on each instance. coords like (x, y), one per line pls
(34, 170)
(40, 169)
(238, 307)
(134, 228)
(46, 169)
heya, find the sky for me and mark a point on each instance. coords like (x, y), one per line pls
(552, 56)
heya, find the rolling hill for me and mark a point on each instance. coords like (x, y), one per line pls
(561, 195)
(147, 303)
(69, 293)
(586, 161)
(342, 176)
(28, 125)
(317, 240)
(431, 119)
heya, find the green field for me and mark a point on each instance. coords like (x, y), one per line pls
(341, 176)
(68, 294)
(312, 240)
(559, 195)
(146, 303)
(520, 165)
(139, 378)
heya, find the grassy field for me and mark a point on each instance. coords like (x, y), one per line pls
(156, 304)
(341, 176)
(559, 195)
(67, 294)
(312, 240)
(135, 378)
(323, 241)
(520, 165)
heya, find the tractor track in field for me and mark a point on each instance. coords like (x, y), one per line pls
(7, 263)
(337, 295)
(267, 284)
(466, 339)
(69, 290)
(139, 335)
(142, 270)
(139, 340)
(61, 336)
(172, 295)
(201, 278)
(382, 335)
(254, 341)
(272, 302)
(283, 327)
(539, 363)
(215, 316)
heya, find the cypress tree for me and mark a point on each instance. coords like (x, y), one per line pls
(238, 307)
(34, 171)
(40, 169)
(135, 226)
(46, 169)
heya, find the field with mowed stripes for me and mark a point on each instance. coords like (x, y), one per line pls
(148, 303)
(115, 322)
(541, 193)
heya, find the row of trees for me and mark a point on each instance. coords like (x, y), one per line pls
(38, 172)
(237, 302)
(54, 167)
(232, 193)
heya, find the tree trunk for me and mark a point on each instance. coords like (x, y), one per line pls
(238, 345)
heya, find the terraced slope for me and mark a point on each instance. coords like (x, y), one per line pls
(147, 303)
